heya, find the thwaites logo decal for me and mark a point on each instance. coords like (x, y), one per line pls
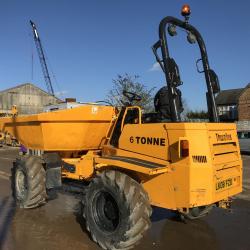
(148, 140)
(224, 137)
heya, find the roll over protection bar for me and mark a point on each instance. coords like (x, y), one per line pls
(162, 43)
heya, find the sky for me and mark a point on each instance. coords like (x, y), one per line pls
(88, 43)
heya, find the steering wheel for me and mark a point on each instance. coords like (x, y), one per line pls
(132, 96)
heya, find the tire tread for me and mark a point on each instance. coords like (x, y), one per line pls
(36, 179)
(136, 199)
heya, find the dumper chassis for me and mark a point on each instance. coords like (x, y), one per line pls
(130, 160)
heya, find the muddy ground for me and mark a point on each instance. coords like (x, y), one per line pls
(58, 224)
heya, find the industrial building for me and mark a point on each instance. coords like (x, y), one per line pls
(28, 98)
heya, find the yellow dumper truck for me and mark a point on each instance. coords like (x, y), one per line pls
(131, 160)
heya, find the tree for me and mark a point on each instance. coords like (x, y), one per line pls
(186, 111)
(131, 84)
(197, 115)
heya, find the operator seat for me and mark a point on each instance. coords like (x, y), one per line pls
(162, 107)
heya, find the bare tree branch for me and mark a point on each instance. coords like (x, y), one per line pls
(130, 83)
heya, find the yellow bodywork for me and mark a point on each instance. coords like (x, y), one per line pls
(148, 152)
(2, 135)
(81, 128)
(214, 157)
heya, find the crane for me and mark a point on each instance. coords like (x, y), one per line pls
(42, 59)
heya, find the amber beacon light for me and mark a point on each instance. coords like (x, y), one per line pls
(185, 11)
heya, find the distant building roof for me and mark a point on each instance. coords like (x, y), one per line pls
(229, 96)
(27, 84)
(21, 85)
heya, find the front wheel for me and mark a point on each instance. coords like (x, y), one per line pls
(29, 182)
(117, 210)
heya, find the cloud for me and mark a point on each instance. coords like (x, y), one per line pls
(156, 67)
(61, 93)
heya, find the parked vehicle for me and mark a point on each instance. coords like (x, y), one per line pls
(244, 140)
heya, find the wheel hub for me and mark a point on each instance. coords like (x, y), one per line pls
(21, 185)
(106, 211)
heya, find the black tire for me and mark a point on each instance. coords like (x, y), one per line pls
(29, 182)
(116, 210)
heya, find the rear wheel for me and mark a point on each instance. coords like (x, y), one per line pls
(116, 210)
(29, 182)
